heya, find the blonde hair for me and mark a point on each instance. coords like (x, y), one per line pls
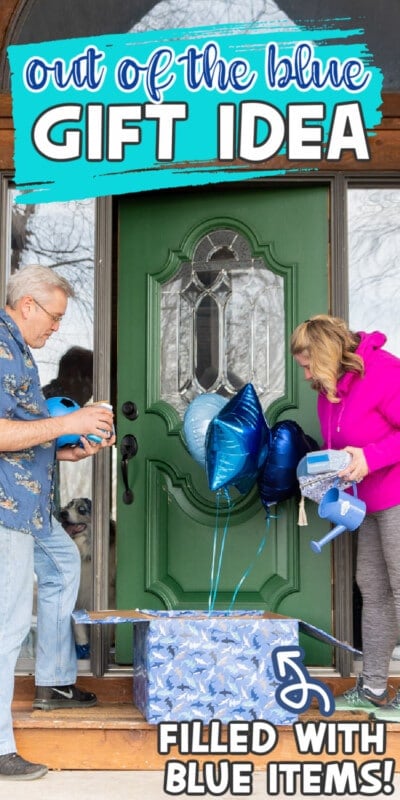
(37, 281)
(330, 346)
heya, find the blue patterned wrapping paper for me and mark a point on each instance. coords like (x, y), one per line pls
(195, 665)
(216, 667)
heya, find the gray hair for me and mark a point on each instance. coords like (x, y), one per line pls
(37, 281)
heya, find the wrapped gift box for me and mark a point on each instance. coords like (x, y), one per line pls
(217, 667)
(188, 665)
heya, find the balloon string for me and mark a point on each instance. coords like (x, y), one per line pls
(215, 581)
(214, 554)
(249, 569)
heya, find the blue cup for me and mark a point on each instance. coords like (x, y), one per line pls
(344, 510)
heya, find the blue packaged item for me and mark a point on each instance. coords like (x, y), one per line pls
(327, 461)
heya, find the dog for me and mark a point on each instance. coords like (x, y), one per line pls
(76, 519)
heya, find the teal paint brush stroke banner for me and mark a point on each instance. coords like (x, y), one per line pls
(143, 111)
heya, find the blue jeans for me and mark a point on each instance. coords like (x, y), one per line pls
(56, 561)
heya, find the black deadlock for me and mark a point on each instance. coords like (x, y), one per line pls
(130, 410)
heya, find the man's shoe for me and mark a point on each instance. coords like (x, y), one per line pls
(15, 768)
(49, 697)
(389, 712)
(360, 699)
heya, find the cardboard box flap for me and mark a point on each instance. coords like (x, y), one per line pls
(115, 617)
(319, 634)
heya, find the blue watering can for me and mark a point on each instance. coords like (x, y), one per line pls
(344, 510)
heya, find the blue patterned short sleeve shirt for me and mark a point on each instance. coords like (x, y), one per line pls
(26, 476)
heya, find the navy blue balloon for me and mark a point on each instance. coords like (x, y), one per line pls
(277, 480)
(198, 416)
(57, 407)
(237, 442)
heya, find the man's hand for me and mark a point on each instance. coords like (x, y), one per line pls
(94, 418)
(88, 448)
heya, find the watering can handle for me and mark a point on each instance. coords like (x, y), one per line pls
(353, 486)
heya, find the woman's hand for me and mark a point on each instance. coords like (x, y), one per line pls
(87, 448)
(358, 467)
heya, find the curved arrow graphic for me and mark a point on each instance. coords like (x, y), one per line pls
(297, 689)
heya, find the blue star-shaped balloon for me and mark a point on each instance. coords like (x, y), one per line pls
(277, 480)
(237, 442)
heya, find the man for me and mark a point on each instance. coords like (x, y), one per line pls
(31, 540)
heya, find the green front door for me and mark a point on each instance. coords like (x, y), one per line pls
(210, 286)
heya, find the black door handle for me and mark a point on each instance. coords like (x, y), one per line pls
(130, 410)
(128, 449)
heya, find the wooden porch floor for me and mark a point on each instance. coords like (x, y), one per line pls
(114, 735)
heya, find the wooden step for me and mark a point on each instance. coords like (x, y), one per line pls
(114, 735)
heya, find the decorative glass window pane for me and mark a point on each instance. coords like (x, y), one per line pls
(222, 324)
(374, 247)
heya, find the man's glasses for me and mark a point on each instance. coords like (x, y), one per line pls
(56, 318)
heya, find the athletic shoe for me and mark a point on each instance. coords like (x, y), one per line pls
(15, 768)
(359, 699)
(389, 712)
(49, 697)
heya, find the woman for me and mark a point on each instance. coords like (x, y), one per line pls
(358, 385)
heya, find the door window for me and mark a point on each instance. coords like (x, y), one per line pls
(374, 275)
(222, 323)
(374, 282)
(60, 236)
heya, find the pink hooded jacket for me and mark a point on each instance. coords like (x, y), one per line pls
(368, 416)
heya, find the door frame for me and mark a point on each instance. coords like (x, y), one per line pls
(102, 388)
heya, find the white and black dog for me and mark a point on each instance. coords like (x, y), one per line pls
(76, 519)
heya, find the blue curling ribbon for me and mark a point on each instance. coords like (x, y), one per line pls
(249, 569)
(216, 577)
(214, 582)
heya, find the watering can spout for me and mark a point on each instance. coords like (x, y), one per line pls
(317, 546)
(342, 510)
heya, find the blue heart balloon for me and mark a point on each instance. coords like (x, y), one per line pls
(57, 407)
(198, 416)
(277, 480)
(237, 442)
